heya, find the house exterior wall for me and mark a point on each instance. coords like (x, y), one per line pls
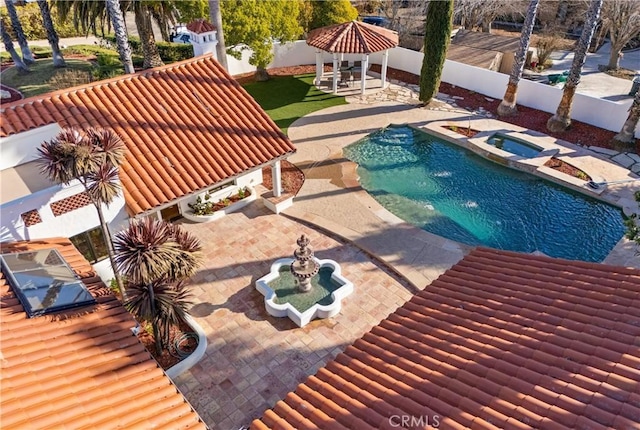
(13, 228)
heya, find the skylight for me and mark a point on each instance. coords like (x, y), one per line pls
(43, 282)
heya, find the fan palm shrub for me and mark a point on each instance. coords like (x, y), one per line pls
(91, 157)
(155, 258)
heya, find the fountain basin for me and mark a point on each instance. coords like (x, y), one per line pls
(343, 288)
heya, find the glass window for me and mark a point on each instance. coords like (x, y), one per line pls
(91, 245)
(43, 282)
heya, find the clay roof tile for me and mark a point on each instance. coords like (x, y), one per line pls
(501, 340)
(64, 371)
(187, 126)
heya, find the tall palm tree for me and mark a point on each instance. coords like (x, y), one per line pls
(52, 35)
(145, 31)
(8, 45)
(562, 118)
(156, 258)
(85, 13)
(438, 26)
(120, 30)
(92, 158)
(27, 56)
(216, 19)
(508, 105)
(627, 134)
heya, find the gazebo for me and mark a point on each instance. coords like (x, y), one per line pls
(353, 37)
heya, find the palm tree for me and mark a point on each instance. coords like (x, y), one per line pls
(92, 158)
(8, 45)
(627, 134)
(52, 36)
(120, 30)
(156, 257)
(216, 19)
(438, 26)
(562, 118)
(147, 39)
(27, 56)
(508, 105)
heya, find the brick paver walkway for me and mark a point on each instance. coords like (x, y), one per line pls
(252, 359)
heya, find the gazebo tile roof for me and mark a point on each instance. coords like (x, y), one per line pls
(353, 37)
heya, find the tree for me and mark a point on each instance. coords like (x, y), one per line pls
(156, 257)
(52, 36)
(436, 42)
(87, 12)
(27, 56)
(255, 25)
(508, 105)
(329, 12)
(562, 118)
(473, 14)
(92, 158)
(621, 18)
(8, 45)
(215, 17)
(190, 10)
(627, 134)
(145, 31)
(120, 30)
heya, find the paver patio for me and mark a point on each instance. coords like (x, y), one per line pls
(252, 359)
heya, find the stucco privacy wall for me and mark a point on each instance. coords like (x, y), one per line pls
(591, 110)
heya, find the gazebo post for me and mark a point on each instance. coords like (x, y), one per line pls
(363, 78)
(335, 73)
(319, 66)
(385, 62)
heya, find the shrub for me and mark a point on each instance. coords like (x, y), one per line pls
(546, 45)
(169, 52)
(41, 52)
(109, 66)
(69, 78)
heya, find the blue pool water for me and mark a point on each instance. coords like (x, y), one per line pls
(513, 146)
(451, 192)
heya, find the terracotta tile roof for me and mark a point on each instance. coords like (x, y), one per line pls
(353, 37)
(187, 126)
(501, 340)
(83, 368)
(200, 26)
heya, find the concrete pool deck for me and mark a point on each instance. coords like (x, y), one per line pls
(331, 197)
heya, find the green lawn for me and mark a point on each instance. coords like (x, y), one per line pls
(36, 82)
(287, 98)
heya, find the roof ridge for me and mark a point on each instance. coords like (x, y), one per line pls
(120, 78)
(360, 35)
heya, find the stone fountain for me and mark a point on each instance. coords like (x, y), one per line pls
(305, 266)
(304, 287)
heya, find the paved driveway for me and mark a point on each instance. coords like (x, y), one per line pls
(253, 360)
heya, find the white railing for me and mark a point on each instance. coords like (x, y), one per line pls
(591, 110)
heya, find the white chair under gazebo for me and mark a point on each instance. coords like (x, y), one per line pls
(353, 37)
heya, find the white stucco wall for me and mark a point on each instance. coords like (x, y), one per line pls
(21, 148)
(602, 113)
(12, 227)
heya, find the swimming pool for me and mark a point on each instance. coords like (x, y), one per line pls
(449, 191)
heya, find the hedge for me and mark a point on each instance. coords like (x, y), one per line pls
(169, 52)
